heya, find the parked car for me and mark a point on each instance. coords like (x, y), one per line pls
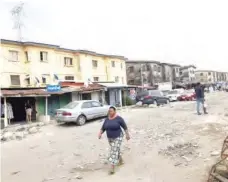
(153, 97)
(81, 111)
(187, 96)
(165, 92)
(173, 95)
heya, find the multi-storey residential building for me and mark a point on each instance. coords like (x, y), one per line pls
(143, 73)
(167, 72)
(206, 76)
(28, 67)
(35, 64)
(222, 76)
(176, 72)
(187, 73)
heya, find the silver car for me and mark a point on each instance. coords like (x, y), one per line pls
(81, 111)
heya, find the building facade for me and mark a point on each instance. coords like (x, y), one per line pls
(206, 76)
(187, 74)
(167, 72)
(30, 64)
(143, 73)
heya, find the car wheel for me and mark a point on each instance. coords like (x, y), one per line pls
(81, 120)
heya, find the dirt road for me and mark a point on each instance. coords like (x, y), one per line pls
(169, 144)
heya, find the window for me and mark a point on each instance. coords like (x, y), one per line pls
(96, 79)
(86, 105)
(26, 56)
(44, 80)
(96, 104)
(43, 56)
(113, 64)
(95, 64)
(13, 55)
(116, 79)
(121, 66)
(209, 79)
(131, 69)
(27, 80)
(201, 74)
(209, 73)
(131, 82)
(15, 80)
(68, 61)
(69, 77)
(155, 68)
(159, 69)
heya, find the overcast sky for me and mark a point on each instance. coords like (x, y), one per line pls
(176, 31)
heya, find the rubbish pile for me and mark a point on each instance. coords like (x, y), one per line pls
(183, 152)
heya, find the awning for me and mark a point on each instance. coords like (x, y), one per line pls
(113, 85)
(92, 88)
(35, 92)
(24, 93)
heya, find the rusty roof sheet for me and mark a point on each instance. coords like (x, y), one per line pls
(24, 92)
(92, 87)
(38, 92)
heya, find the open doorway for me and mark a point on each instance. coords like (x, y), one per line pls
(86, 96)
(18, 107)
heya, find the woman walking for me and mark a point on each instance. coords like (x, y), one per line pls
(113, 126)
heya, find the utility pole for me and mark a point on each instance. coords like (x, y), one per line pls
(17, 13)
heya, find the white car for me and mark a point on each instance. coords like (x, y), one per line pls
(173, 95)
(81, 111)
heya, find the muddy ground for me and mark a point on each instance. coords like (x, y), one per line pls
(169, 144)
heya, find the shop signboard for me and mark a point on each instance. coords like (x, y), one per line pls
(53, 88)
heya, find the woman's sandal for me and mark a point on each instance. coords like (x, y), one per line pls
(111, 172)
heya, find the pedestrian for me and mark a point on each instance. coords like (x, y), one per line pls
(200, 100)
(113, 126)
(28, 110)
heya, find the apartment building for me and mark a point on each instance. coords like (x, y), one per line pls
(176, 72)
(187, 73)
(167, 72)
(31, 64)
(143, 72)
(206, 76)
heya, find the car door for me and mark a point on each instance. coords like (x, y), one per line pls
(87, 109)
(97, 109)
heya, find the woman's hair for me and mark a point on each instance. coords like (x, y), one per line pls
(112, 107)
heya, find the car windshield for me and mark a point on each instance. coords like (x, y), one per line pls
(71, 105)
(173, 92)
(155, 93)
(165, 92)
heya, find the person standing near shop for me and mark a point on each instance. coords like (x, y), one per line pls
(28, 110)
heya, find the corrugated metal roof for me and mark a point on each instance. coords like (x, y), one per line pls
(113, 85)
(24, 92)
(36, 92)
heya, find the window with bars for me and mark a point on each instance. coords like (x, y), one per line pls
(113, 64)
(13, 55)
(69, 77)
(68, 61)
(95, 63)
(96, 79)
(116, 79)
(15, 80)
(131, 69)
(43, 56)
